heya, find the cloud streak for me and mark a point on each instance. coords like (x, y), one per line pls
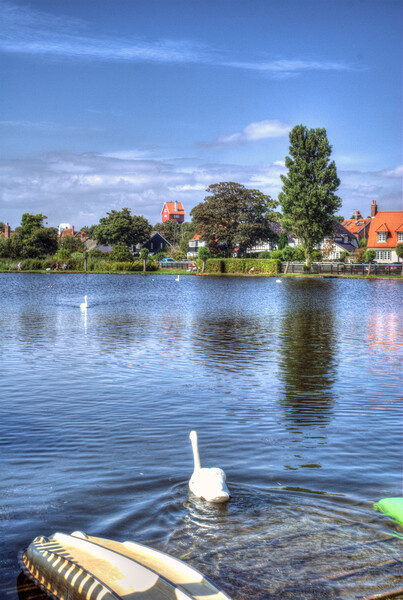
(29, 31)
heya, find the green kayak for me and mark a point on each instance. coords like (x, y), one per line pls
(393, 507)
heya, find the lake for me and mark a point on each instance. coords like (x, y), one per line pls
(295, 389)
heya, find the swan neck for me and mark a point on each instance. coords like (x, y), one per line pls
(196, 456)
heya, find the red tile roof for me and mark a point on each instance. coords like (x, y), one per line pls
(171, 208)
(355, 226)
(389, 221)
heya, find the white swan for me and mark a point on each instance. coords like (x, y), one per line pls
(278, 281)
(177, 278)
(84, 304)
(205, 483)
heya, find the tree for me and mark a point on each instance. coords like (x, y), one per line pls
(121, 253)
(29, 223)
(288, 253)
(120, 227)
(71, 244)
(143, 257)
(2, 226)
(308, 199)
(171, 230)
(204, 254)
(399, 252)
(370, 255)
(233, 216)
(282, 240)
(340, 218)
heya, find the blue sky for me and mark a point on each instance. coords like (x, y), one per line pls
(106, 104)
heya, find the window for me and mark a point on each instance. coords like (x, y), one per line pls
(383, 254)
(381, 236)
(400, 236)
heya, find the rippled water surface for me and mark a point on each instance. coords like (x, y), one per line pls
(295, 390)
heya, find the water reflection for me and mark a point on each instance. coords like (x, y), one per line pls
(307, 346)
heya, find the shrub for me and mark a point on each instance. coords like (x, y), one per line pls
(276, 254)
(264, 254)
(241, 265)
(121, 253)
(97, 253)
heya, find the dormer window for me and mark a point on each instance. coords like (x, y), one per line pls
(381, 236)
(400, 236)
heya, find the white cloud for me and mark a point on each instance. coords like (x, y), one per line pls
(260, 130)
(397, 172)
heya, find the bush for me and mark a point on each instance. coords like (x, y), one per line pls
(241, 265)
(264, 254)
(96, 253)
(121, 253)
(276, 254)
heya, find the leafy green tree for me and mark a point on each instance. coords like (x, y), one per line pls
(233, 216)
(344, 255)
(120, 227)
(71, 244)
(282, 240)
(264, 254)
(89, 231)
(288, 254)
(121, 253)
(41, 242)
(276, 254)
(171, 230)
(29, 223)
(399, 252)
(370, 255)
(2, 226)
(308, 199)
(340, 218)
(143, 257)
(362, 243)
(204, 254)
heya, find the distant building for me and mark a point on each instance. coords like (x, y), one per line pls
(173, 211)
(65, 230)
(155, 244)
(385, 233)
(194, 244)
(358, 226)
(7, 233)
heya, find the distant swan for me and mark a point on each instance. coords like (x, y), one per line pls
(177, 278)
(84, 304)
(207, 483)
(278, 281)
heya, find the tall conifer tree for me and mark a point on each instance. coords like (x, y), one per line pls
(308, 199)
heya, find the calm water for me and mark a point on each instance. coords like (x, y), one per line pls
(295, 390)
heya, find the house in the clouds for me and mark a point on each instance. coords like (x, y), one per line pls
(173, 211)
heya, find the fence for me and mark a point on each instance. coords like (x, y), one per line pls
(182, 264)
(345, 268)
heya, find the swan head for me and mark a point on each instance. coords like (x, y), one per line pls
(210, 485)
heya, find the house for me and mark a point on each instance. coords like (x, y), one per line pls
(155, 244)
(173, 211)
(341, 241)
(65, 230)
(7, 233)
(270, 245)
(358, 226)
(194, 244)
(385, 233)
(91, 244)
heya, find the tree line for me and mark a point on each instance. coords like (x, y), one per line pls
(231, 216)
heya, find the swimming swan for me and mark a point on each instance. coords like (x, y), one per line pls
(177, 278)
(84, 304)
(278, 281)
(205, 483)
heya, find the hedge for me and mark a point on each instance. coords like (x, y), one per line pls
(242, 265)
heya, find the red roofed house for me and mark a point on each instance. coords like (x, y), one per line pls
(194, 244)
(66, 231)
(385, 233)
(358, 226)
(173, 211)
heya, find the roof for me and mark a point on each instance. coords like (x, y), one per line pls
(339, 229)
(196, 238)
(389, 221)
(355, 226)
(171, 208)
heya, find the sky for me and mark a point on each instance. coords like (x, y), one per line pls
(106, 104)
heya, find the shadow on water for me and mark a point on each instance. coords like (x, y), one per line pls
(307, 343)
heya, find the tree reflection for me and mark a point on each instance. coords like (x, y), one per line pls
(307, 347)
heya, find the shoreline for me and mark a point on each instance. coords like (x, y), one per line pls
(180, 272)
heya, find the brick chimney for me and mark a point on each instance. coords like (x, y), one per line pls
(357, 216)
(176, 207)
(374, 209)
(7, 231)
